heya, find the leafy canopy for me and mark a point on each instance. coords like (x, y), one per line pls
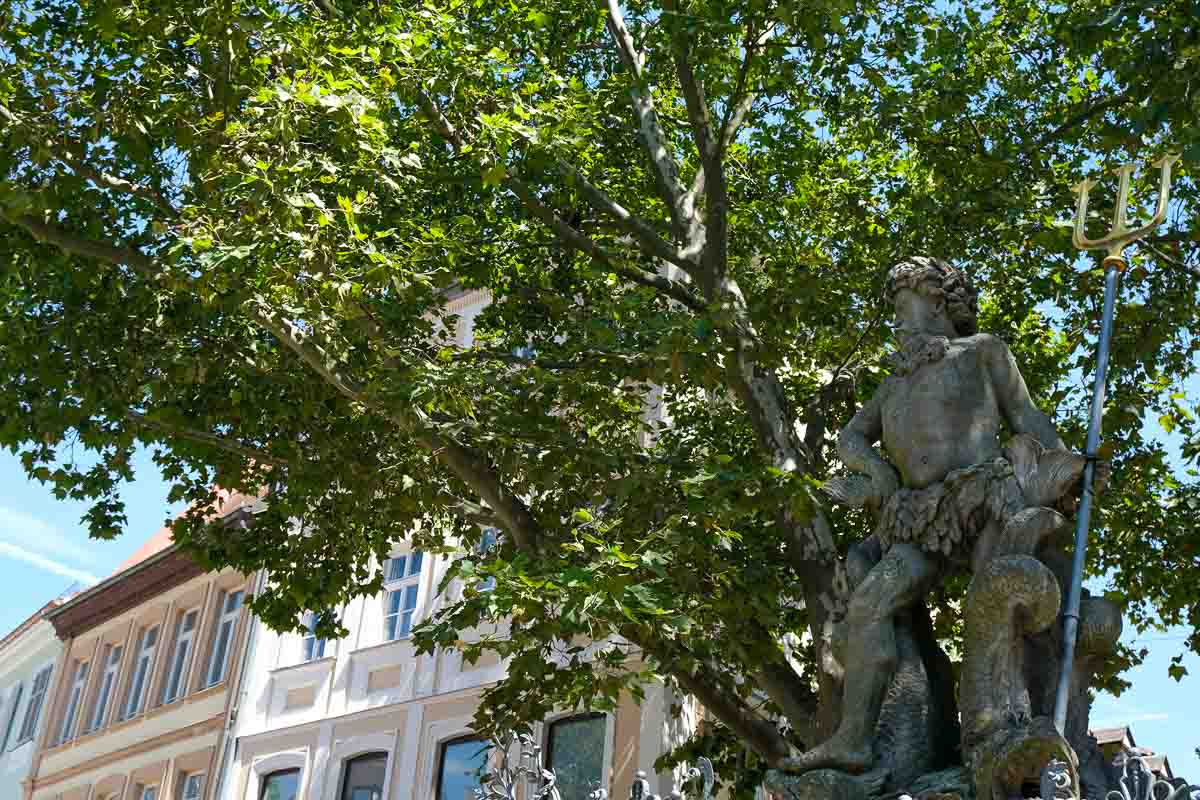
(235, 231)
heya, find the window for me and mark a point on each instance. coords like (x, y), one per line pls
(487, 540)
(312, 647)
(73, 700)
(364, 776)
(147, 793)
(112, 663)
(402, 577)
(575, 753)
(190, 786)
(230, 604)
(181, 658)
(282, 785)
(143, 661)
(461, 765)
(12, 716)
(33, 711)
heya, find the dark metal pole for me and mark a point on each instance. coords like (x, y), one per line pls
(1112, 269)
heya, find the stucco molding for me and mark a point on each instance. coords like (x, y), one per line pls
(260, 768)
(351, 747)
(215, 722)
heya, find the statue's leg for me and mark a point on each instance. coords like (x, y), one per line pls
(901, 578)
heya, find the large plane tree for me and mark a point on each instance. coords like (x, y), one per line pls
(230, 231)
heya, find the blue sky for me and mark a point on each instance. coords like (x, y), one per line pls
(44, 549)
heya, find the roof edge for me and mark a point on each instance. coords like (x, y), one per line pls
(32, 620)
(116, 577)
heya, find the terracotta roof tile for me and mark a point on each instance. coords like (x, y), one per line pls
(228, 501)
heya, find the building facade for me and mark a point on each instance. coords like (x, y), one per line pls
(139, 700)
(366, 718)
(28, 656)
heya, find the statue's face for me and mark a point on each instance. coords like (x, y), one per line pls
(919, 315)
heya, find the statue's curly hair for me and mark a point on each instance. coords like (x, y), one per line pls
(935, 278)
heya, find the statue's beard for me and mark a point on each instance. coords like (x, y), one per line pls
(916, 350)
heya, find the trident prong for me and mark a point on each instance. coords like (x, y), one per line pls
(1121, 235)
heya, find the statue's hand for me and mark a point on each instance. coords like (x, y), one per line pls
(885, 481)
(854, 491)
(863, 491)
(1101, 476)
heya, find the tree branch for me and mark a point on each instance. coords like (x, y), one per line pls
(654, 139)
(715, 231)
(1176, 262)
(793, 696)
(201, 437)
(107, 181)
(739, 106)
(674, 289)
(1080, 118)
(468, 466)
(652, 244)
(586, 359)
(76, 245)
(757, 731)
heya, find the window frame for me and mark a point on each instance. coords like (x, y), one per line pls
(181, 637)
(363, 756)
(312, 648)
(33, 710)
(109, 679)
(143, 788)
(440, 764)
(482, 549)
(18, 694)
(265, 779)
(183, 784)
(226, 626)
(548, 739)
(70, 718)
(401, 586)
(143, 654)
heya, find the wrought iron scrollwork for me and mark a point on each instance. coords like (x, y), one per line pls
(703, 771)
(516, 765)
(1138, 782)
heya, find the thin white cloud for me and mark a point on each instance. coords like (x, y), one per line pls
(25, 531)
(48, 564)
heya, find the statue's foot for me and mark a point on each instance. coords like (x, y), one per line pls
(832, 754)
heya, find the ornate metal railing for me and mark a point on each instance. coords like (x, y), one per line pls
(517, 761)
(1138, 782)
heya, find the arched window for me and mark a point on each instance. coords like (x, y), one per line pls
(575, 752)
(461, 764)
(363, 777)
(283, 784)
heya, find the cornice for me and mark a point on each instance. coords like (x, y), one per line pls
(28, 625)
(126, 590)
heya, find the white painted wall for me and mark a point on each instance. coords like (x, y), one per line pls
(20, 662)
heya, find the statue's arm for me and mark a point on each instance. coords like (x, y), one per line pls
(1016, 405)
(856, 440)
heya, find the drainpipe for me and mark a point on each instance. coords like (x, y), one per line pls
(229, 744)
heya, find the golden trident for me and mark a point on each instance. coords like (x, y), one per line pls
(1120, 236)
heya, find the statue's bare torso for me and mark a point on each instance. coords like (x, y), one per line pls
(943, 416)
